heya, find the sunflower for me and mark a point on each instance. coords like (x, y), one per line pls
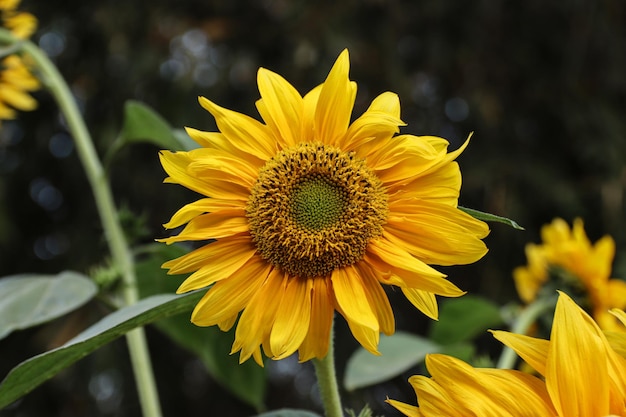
(570, 254)
(583, 375)
(309, 213)
(16, 80)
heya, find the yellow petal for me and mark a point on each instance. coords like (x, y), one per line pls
(18, 98)
(232, 247)
(309, 103)
(292, 318)
(243, 131)
(474, 391)
(424, 301)
(217, 141)
(576, 372)
(407, 271)
(229, 296)
(379, 122)
(315, 344)
(281, 107)
(434, 400)
(176, 163)
(223, 223)
(377, 298)
(437, 233)
(204, 205)
(406, 409)
(534, 351)
(352, 298)
(334, 106)
(441, 186)
(259, 315)
(219, 269)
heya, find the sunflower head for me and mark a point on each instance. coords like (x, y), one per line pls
(16, 80)
(312, 214)
(583, 374)
(568, 260)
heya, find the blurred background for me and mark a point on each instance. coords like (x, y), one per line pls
(540, 83)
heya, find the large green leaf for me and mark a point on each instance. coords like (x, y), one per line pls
(488, 217)
(399, 353)
(31, 373)
(27, 300)
(247, 381)
(462, 319)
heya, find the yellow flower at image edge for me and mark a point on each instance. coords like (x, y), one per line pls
(311, 214)
(588, 265)
(583, 375)
(15, 83)
(16, 80)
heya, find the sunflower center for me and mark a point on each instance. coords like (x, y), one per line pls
(317, 203)
(314, 208)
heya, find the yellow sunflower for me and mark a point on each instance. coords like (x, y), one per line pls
(16, 80)
(311, 214)
(583, 375)
(589, 266)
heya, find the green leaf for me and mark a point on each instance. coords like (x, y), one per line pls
(27, 300)
(287, 412)
(462, 319)
(399, 353)
(488, 217)
(247, 381)
(142, 124)
(33, 372)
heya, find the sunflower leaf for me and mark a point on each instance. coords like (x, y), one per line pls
(27, 300)
(246, 381)
(488, 217)
(34, 371)
(462, 319)
(399, 353)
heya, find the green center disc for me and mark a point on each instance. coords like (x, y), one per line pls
(317, 203)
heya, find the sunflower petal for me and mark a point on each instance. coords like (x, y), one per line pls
(292, 318)
(223, 223)
(281, 107)
(570, 370)
(259, 315)
(336, 99)
(204, 205)
(243, 131)
(315, 344)
(229, 296)
(350, 294)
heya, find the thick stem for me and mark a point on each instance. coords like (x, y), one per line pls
(327, 382)
(523, 322)
(116, 240)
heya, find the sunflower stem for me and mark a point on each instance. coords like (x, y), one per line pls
(327, 381)
(521, 325)
(120, 251)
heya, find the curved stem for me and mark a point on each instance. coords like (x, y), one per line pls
(522, 324)
(116, 240)
(327, 382)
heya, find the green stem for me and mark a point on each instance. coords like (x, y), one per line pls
(327, 382)
(118, 245)
(521, 325)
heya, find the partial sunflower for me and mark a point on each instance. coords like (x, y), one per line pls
(311, 214)
(568, 255)
(582, 375)
(16, 80)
